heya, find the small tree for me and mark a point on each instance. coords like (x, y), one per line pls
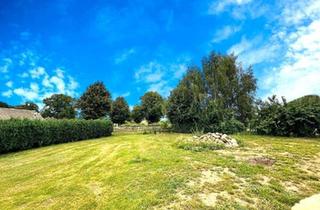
(137, 114)
(120, 111)
(95, 102)
(152, 106)
(29, 106)
(59, 106)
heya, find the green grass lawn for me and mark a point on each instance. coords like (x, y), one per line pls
(150, 172)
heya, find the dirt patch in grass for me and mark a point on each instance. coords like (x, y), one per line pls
(209, 199)
(262, 161)
(95, 188)
(208, 176)
(311, 165)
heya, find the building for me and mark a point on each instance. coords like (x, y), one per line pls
(9, 113)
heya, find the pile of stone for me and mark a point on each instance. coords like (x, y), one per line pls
(218, 138)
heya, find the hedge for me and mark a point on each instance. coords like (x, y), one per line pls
(24, 134)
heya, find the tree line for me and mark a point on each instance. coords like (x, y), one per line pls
(96, 103)
(218, 96)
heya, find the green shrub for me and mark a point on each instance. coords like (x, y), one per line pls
(231, 126)
(288, 119)
(24, 134)
(165, 124)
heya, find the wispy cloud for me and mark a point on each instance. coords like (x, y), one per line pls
(239, 9)
(161, 77)
(217, 7)
(5, 64)
(126, 94)
(124, 56)
(225, 32)
(255, 50)
(7, 93)
(298, 71)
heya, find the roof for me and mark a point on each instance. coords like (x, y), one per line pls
(9, 113)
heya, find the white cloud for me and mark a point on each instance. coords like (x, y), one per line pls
(225, 33)
(239, 9)
(255, 51)
(5, 64)
(31, 80)
(296, 12)
(291, 54)
(242, 46)
(26, 94)
(217, 7)
(149, 70)
(298, 32)
(126, 94)
(72, 85)
(299, 74)
(159, 77)
(161, 87)
(37, 72)
(7, 93)
(59, 83)
(9, 84)
(179, 70)
(23, 75)
(124, 55)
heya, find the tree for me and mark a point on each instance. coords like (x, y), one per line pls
(120, 111)
(152, 106)
(95, 102)
(229, 86)
(59, 106)
(185, 102)
(29, 106)
(4, 105)
(137, 114)
(219, 97)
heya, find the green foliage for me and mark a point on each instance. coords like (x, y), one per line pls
(152, 106)
(120, 111)
(199, 146)
(308, 100)
(165, 124)
(29, 106)
(231, 126)
(24, 134)
(59, 106)
(218, 98)
(297, 118)
(229, 86)
(95, 102)
(185, 109)
(137, 114)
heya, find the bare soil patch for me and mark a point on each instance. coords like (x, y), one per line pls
(262, 161)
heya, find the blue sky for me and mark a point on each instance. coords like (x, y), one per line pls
(61, 46)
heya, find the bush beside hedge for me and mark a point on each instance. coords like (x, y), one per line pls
(24, 134)
(292, 119)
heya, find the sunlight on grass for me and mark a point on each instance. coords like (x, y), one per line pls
(150, 171)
